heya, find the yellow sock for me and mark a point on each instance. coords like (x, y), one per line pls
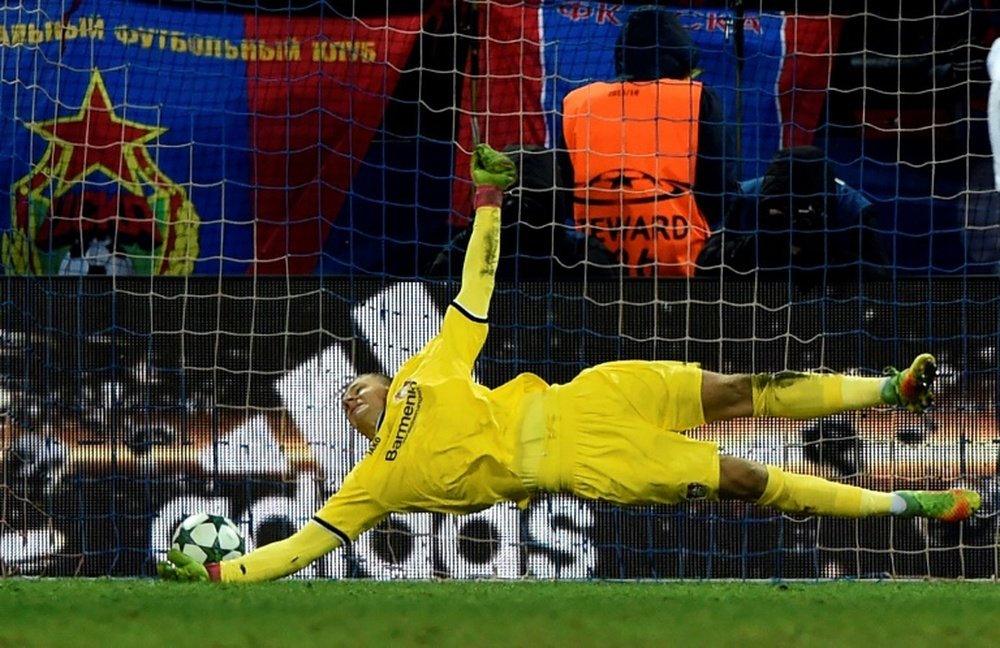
(808, 395)
(794, 493)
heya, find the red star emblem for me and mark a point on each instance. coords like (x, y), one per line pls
(97, 139)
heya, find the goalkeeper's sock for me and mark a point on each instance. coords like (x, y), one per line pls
(810, 395)
(795, 493)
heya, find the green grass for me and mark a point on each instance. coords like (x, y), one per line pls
(148, 613)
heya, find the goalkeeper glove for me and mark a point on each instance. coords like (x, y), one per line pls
(181, 567)
(491, 168)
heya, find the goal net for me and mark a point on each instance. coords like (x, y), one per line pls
(218, 212)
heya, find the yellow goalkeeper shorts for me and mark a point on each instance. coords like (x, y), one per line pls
(614, 433)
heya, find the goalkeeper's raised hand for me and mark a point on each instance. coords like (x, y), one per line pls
(181, 567)
(491, 168)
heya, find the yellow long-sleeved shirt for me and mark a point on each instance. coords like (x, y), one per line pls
(444, 444)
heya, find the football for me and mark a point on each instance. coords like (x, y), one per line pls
(209, 538)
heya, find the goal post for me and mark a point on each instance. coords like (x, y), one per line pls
(214, 214)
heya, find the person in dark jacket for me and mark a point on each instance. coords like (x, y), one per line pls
(798, 222)
(649, 151)
(655, 45)
(537, 240)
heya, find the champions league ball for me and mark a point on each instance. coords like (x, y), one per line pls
(209, 538)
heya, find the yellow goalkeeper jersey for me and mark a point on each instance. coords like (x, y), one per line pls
(445, 443)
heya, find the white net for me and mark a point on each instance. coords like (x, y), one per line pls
(217, 213)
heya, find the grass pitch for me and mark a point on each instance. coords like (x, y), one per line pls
(147, 613)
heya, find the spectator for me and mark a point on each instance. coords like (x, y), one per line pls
(798, 222)
(648, 150)
(536, 239)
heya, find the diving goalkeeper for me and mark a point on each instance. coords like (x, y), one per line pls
(440, 442)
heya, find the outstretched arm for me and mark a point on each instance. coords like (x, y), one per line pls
(492, 172)
(346, 515)
(270, 562)
(281, 558)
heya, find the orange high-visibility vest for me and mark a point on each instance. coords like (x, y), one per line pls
(633, 146)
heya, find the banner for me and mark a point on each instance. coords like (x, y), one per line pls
(148, 140)
(128, 410)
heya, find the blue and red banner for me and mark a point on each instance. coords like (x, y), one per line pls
(141, 139)
(148, 140)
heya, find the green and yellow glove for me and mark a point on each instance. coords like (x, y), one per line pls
(491, 168)
(181, 567)
(492, 172)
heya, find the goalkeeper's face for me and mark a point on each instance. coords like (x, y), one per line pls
(364, 401)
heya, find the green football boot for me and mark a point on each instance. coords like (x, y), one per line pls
(952, 505)
(912, 388)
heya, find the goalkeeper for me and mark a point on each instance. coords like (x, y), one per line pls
(440, 442)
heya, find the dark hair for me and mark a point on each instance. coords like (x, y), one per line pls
(654, 44)
(801, 176)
